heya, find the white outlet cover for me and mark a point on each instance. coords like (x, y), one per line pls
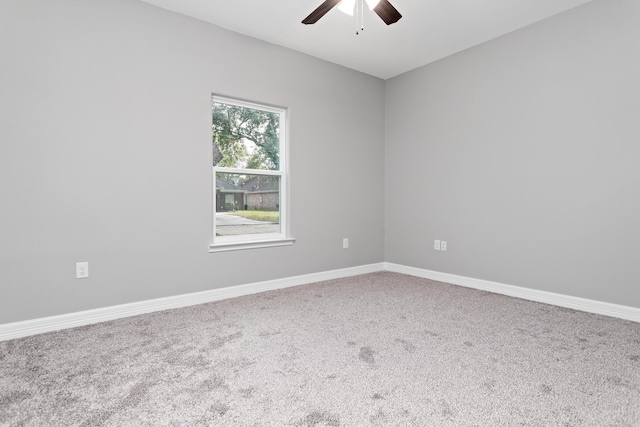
(436, 245)
(82, 270)
(443, 245)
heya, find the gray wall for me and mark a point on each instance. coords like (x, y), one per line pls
(105, 155)
(523, 153)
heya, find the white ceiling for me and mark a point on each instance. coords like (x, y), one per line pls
(429, 29)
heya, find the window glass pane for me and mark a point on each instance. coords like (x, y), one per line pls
(247, 204)
(245, 138)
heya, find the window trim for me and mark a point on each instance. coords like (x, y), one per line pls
(253, 241)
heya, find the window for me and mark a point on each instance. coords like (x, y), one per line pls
(249, 175)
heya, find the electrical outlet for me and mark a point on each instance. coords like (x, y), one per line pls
(443, 245)
(436, 245)
(82, 270)
(345, 243)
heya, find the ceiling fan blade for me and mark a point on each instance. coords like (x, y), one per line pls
(320, 11)
(387, 12)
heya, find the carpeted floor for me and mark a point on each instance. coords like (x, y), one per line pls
(381, 349)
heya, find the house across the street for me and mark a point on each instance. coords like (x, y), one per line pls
(258, 193)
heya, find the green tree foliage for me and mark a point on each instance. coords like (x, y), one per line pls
(234, 126)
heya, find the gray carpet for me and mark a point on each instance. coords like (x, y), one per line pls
(380, 349)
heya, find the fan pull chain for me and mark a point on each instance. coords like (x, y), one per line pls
(357, 17)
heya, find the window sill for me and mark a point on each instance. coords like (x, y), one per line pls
(250, 244)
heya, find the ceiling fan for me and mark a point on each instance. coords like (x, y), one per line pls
(382, 8)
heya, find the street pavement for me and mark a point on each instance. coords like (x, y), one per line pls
(228, 224)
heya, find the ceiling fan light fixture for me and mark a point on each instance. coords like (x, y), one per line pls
(382, 8)
(348, 6)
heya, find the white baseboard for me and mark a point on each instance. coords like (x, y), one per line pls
(582, 304)
(47, 324)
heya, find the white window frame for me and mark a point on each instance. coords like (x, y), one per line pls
(252, 241)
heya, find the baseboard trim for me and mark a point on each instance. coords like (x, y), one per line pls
(53, 323)
(576, 303)
(47, 324)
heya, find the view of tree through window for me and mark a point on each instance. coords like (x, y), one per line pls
(247, 154)
(246, 138)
